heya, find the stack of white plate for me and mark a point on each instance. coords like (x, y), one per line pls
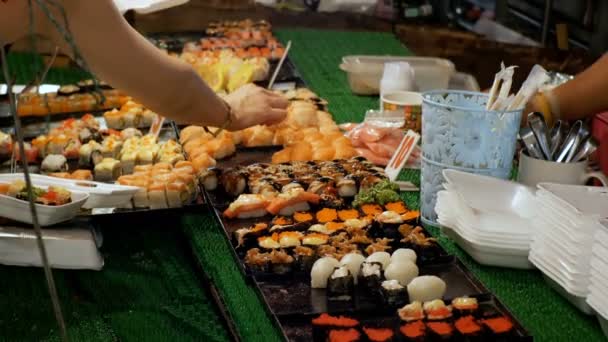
(488, 217)
(598, 291)
(565, 228)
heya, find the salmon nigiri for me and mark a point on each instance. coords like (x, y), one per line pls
(292, 200)
(247, 206)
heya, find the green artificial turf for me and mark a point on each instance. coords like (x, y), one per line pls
(148, 290)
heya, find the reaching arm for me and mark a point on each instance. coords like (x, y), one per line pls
(118, 54)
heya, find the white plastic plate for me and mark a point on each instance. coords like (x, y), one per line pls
(19, 210)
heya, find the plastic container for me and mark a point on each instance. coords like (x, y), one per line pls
(66, 248)
(365, 72)
(579, 302)
(101, 195)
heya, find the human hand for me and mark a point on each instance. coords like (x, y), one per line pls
(252, 105)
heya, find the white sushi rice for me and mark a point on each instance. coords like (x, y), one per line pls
(401, 271)
(369, 269)
(389, 217)
(426, 288)
(290, 209)
(353, 261)
(404, 254)
(321, 270)
(391, 285)
(382, 257)
(252, 213)
(340, 272)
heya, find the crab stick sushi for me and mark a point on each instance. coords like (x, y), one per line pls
(157, 196)
(295, 199)
(247, 206)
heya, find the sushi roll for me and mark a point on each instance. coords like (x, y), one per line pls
(321, 270)
(401, 271)
(411, 312)
(413, 331)
(40, 143)
(57, 144)
(234, 181)
(294, 199)
(68, 89)
(344, 335)
(322, 325)
(281, 262)
(128, 160)
(177, 194)
(157, 196)
(383, 258)
(111, 147)
(348, 214)
(249, 235)
(31, 152)
(82, 175)
(393, 293)
(108, 170)
(464, 306)
(290, 239)
(148, 118)
(90, 154)
(54, 163)
(256, 261)
(247, 206)
(302, 217)
(130, 133)
(440, 331)
(468, 327)
(85, 135)
(371, 275)
(340, 284)
(326, 215)
(140, 198)
(305, 258)
(498, 326)
(146, 156)
(378, 334)
(437, 310)
(403, 254)
(71, 149)
(347, 187)
(6, 144)
(426, 288)
(387, 225)
(269, 242)
(314, 240)
(353, 262)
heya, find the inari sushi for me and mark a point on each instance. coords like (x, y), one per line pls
(393, 293)
(340, 284)
(247, 206)
(157, 196)
(108, 170)
(322, 325)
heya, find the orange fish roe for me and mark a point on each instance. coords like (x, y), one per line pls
(348, 214)
(282, 220)
(410, 215)
(327, 215)
(378, 335)
(398, 207)
(302, 216)
(371, 209)
(349, 335)
(467, 325)
(334, 226)
(413, 330)
(339, 321)
(440, 328)
(498, 325)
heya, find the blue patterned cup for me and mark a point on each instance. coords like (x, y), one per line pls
(459, 133)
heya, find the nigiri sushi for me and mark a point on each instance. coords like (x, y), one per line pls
(247, 206)
(295, 199)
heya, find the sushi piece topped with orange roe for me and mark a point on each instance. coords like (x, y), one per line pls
(327, 215)
(340, 335)
(398, 207)
(335, 321)
(498, 325)
(371, 210)
(443, 330)
(378, 334)
(467, 325)
(414, 330)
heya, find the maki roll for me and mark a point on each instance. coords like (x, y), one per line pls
(499, 326)
(269, 242)
(68, 89)
(464, 306)
(371, 275)
(386, 225)
(426, 288)
(440, 330)
(57, 144)
(426, 247)
(290, 239)
(305, 257)
(54, 163)
(353, 262)
(344, 335)
(340, 284)
(393, 293)
(322, 325)
(348, 214)
(280, 262)
(246, 235)
(321, 270)
(315, 240)
(437, 310)
(468, 327)
(234, 182)
(256, 261)
(411, 312)
(130, 133)
(371, 210)
(108, 170)
(414, 331)
(378, 334)
(401, 271)
(347, 187)
(86, 85)
(210, 177)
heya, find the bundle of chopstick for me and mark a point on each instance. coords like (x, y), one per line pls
(500, 98)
